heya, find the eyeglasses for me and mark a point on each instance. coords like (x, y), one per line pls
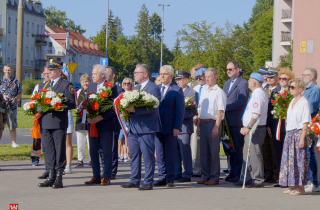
(137, 72)
(229, 69)
(44, 74)
(305, 75)
(292, 87)
(198, 78)
(270, 77)
(127, 83)
(283, 78)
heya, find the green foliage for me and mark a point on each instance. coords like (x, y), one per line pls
(28, 85)
(59, 18)
(286, 60)
(259, 9)
(281, 104)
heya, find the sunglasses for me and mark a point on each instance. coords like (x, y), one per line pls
(283, 78)
(229, 69)
(292, 87)
(127, 83)
(198, 78)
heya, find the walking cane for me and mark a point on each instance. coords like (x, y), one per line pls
(251, 132)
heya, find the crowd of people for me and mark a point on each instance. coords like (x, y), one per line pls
(185, 143)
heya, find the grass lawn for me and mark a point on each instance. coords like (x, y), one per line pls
(26, 96)
(23, 152)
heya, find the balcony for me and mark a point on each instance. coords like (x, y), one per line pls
(286, 14)
(40, 39)
(285, 38)
(40, 64)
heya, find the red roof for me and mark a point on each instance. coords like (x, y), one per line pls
(87, 50)
(72, 34)
(59, 36)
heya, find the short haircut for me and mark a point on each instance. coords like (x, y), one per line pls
(8, 65)
(127, 78)
(199, 66)
(85, 77)
(288, 72)
(144, 66)
(313, 72)
(113, 70)
(298, 82)
(170, 69)
(102, 70)
(46, 67)
(235, 63)
(213, 70)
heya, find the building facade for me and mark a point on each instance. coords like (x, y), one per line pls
(34, 38)
(72, 47)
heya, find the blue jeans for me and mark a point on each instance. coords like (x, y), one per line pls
(313, 166)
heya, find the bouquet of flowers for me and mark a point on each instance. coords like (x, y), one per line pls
(30, 108)
(314, 126)
(190, 104)
(281, 104)
(96, 103)
(135, 98)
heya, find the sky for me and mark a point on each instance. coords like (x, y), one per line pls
(92, 14)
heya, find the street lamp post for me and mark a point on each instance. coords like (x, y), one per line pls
(162, 30)
(107, 31)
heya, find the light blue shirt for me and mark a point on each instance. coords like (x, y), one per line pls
(231, 84)
(312, 94)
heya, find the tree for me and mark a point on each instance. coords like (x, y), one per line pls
(59, 18)
(155, 26)
(259, 9)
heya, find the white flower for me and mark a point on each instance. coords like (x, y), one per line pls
(101, 89)
(93, 96)
(50, 94)
(124, 102)
(55, 100)
(26, 106)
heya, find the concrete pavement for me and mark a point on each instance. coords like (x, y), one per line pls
(19, 186)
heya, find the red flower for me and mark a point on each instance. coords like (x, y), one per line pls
(31, 106)
(81, 113)
(37, 96)
(47, 101)
(90, 93)
(108, 84)
(192, 102)
(284, 104)
(117, 102)
(279, 95)
(32, 98)
(130, 90)
(84, 103)
(58, 106)
(104, 94)
(121, 96)
(229, 145)
(273, 101)
(44, 90)
(95, 106)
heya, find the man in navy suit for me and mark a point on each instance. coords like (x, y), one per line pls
(142, 132)
(172, 108)
(183, 148)
(112, 74)
(105, 123)
(236, 89)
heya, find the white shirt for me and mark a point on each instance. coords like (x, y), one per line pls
(258, 104)
(197, 88)
(211, 101)
(264, 85)
(144, 84)
(298, 115)
(54, 81)
(36, 89)
(165, 88)
(231, 83)
(100, 85)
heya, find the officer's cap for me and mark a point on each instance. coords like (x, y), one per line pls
(54, 64)
(272, 72)
(262, 70)
(182, 74)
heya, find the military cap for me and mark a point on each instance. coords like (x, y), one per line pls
(200, 72)
(262, 70)
(54, 64)
(182, 74)
(257, 77)
(272, 72)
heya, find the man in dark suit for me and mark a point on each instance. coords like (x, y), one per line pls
(112, 74)
(105, 123)
(236, 89)
(54, 125)
(183, 147)
(142, 132)
(172, 108)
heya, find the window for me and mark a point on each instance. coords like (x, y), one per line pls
(9, 24)
(31, 55)
(25, 75)
(32, 28)
(0, 21)
(59, 59)
(42, 31)
(8, 52)
(27, 53)
(15, 53)
(28, 29)
(31, 75)
(49, 47)
(90, 63)
(38, 29)
(16, 25)
(80, 60)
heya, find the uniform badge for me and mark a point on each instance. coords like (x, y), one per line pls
(255, 105)
(71, 89)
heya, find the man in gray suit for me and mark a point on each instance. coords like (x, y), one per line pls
(183, 149)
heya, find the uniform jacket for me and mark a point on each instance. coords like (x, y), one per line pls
(54, 119)
(172, 109)
(237, 99)
(109, 117)
(187, 125)
(143, 121)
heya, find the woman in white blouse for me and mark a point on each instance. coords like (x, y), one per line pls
(294, 162)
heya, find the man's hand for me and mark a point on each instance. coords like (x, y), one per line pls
(176, 132)
(244, 131)
(215, 131)
(13, 100)
(6, 98)
(96, 119)
(269, 131)
(89, 121)
(198, 131)
(195, 120)
(317, 135)
(131, 109)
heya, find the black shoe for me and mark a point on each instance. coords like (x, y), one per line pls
(234, 179)
(240, 183)
(50, 180)
(58, 182)
(145, 187)
(225, 171)
(184, 179)
(228, 177)
(273, 180)
(170, 184)
(277, 185)
(113, 177)
(267, 179)
(255, 185)
(44, 175)
(160, 183)
(177, 178)
(196, 175)
(79, 164)
(284, 186)
(130, 185)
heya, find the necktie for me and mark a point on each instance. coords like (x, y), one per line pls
(199, 94)
(51, 83)
(139, 87)
(162, 92)
(246, 107)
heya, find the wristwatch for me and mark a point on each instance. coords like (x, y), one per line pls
(248, 127)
